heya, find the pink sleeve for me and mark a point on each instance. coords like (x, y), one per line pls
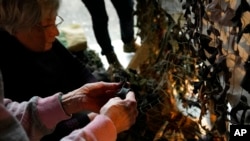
(50, 106)
(38, 116)
(100, 129)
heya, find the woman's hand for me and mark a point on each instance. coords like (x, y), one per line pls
(123, 113)
(91, 96)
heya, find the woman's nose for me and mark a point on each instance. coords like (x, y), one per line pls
(54, 31)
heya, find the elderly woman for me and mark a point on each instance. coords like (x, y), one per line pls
(33, 62)
(31, 58)
(39, 115)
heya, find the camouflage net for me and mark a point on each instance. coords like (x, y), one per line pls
(186, 84)
(183, 88)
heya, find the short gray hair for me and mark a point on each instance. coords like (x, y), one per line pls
(18, 14)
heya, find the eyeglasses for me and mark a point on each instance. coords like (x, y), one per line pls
(59, 20)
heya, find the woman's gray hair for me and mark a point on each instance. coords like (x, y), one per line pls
(19, 14)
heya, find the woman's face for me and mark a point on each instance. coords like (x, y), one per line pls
(41, 36)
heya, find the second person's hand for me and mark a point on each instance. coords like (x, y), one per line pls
(91, 96)
(123, 113)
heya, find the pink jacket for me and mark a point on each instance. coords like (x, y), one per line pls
(39, 116)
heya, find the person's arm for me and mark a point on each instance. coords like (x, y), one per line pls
(10, 128)
(38, 116)
(100, 129)
(116, 115)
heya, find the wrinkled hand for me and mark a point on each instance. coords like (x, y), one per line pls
(91, 96)
(123, 113)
